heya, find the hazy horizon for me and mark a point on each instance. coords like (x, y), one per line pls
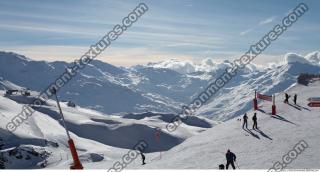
(185, 30)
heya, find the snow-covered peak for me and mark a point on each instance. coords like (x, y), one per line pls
(185, 67)
(12, 55)
(176, 65)
(207, 65)
(314, 57)
(208, 62)
(211, 65)
(295, 58)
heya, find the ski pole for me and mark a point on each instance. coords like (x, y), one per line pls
(237, 165)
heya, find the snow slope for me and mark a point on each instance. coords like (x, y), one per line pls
(255, 149)
(235, 97)
(98, 137)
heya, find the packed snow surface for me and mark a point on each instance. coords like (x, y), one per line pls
(255, 149)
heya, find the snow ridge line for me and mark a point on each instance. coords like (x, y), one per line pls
(78, 65)
(238, 64)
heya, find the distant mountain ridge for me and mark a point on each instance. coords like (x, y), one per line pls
(160, 87)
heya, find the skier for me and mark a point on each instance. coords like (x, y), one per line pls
(143, 158)
(231, 158)
(255, 123)
(245, 120)
(286, 100)
(295, 99)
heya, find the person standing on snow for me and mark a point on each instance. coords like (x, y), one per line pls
(231, 158)
(255, 123)
(295, 99)
(143, 158)
(245, 120)
(286, 100)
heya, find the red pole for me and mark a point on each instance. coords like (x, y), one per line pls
(255, 102)
(76, 162)
(273, 105)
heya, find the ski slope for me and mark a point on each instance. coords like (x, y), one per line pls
(98, 137)
(255, 149)
(102, 138)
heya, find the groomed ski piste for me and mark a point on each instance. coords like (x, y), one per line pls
(102, 140)
(256, 149)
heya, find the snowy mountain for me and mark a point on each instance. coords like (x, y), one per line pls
(314, 57)
(236, 97)
(147, 96)
(255, 149)
(161, 87)
(183, 67)
(40, 141)
(103, 87)
(101, 140)
(99, 86)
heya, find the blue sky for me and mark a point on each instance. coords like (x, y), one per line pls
(181, 29)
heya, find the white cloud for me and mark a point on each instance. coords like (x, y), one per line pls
(261, 23)
(268, 20)
(53, 29)
(246, 31)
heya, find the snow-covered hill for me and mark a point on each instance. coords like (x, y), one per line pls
(255, 149)
(40, 141)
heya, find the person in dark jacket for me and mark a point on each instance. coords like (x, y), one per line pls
(295, 99)
(143, 158)
(231, 158)
(286, 100)
(255, 123)
(245, 120)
